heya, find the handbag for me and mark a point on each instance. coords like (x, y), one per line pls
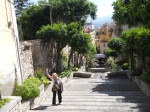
(55, 87)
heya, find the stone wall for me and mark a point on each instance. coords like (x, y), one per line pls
(43, 54)
(26, 59)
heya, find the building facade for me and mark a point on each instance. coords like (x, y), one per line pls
(103, 35)
(10, 65)
(88, 27)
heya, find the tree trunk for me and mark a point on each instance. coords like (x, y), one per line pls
(71, 53)
(51, 20)
(132, 58)
(0, 95)
(143, 58)
(59, 60)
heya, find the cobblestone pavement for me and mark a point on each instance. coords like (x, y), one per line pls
(99, 94)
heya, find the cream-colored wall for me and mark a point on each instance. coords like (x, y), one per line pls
(9, 60)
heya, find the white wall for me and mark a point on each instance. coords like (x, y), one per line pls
(9, 59)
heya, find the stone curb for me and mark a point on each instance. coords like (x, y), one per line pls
(13, 106)
(144, 87)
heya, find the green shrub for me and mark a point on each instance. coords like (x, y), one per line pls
(125, 66)
(41, 76)
(29, 88)
(33, 80)
(4, 101)
(65, 73)
(114, 65)
(44, 80)
(38, 73)
(75, 69)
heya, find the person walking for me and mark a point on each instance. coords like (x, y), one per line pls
(56, 88)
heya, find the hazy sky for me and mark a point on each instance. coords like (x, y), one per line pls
(104, 7)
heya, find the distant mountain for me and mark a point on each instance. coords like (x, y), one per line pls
(102, 20)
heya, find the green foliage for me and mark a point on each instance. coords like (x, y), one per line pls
(110, 52)
(66, 11)
(126, 12)
(75, 69)
(146, 76)
(114, 65)
(44, 80)
(4, 101)
(125, 66)
(80, 43)
(57, 32)
(135, 40)
(32, 20)
(28, 89)
(65, 73)
(64, 59)
(111, 63)
(32, 80)
(41, 76)
(73, 10)
(116, 44)
(136, 72)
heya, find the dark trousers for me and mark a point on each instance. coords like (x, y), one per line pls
(59, 96)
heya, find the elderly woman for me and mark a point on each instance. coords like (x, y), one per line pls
(56, 81)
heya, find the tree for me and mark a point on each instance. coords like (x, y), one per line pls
(90, 53)
(115, 44)
(79, 43)
(21, 5)
(110, 52)
(32, 20)
(126, 12)
(73, 10)
(137, 40)
(66, 11)
(57, 33)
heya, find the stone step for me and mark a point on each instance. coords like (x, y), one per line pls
(104, 92)
(78, 94)
(96, 108)
(122, 104)
(141, 100)
(104, 97)
(114, 110)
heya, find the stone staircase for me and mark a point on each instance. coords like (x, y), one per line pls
(99, 94)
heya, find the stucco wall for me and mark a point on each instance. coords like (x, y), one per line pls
(9, 59)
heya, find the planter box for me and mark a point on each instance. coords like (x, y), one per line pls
(82, 74)
(97, 70)
(29, 104)
(13, 106)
